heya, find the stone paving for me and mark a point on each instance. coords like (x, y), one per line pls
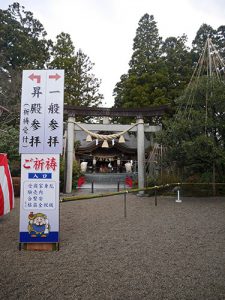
(169, 251)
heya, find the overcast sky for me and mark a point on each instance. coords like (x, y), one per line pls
(105, 29)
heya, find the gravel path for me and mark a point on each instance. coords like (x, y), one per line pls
(172, 251)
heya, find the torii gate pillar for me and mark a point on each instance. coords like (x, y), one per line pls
(141, 153)
(70, 154)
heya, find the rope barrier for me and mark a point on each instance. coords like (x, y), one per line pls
(83, 197)
(125, 192)
(153, 188)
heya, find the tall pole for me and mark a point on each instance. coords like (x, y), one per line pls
(70, 154)
(141, 153)
(209, 83)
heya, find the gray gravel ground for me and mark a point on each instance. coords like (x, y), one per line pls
(172, 251)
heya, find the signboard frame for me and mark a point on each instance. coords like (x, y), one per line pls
(41, 143)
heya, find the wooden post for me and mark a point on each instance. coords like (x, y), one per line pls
(125, 204)
(155, 196)
(214, 179)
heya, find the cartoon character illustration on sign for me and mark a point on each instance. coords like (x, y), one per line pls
(38, 225)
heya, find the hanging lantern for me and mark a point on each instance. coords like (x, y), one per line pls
(121, 139)
(88, 138)
(96, 142)
(113, 142)
(105, 144)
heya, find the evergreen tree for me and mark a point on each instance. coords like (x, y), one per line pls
(179, 65)
(23, 38)
(220, 40)
(144, 85)
(81, 86)
(146, 46)
(206, 31)
(202, 34)
(22, 46)
(195, 136)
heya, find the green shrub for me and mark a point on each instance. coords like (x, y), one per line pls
(164, 179)
(76, 174)
(9, 144)
(15, 166)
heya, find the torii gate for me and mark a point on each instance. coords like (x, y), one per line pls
(140, 128)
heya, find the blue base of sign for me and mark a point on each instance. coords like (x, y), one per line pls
(52, 237)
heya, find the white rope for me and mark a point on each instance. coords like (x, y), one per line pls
(106, 137)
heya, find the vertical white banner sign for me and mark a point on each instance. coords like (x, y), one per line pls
(54, 112)
(32, 125)
(41, 121)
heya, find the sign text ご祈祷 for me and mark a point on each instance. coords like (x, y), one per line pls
(39, 203)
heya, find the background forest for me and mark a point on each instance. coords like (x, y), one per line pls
(159, 72)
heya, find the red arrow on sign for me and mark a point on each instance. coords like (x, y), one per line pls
(56, 76)
(35, 77)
